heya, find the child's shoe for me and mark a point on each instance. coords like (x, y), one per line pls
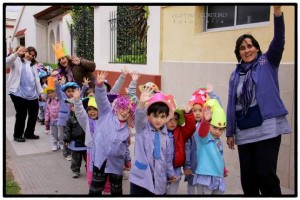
(69, 158)
(54, 148)
(75, 174)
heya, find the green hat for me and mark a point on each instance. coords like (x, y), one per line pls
(218, 114)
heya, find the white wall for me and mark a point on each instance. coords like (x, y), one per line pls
(102, 42)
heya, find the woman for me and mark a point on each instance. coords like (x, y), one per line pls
(24, 89)
(255, 112)
(74, 68)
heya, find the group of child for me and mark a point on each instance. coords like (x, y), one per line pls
(94, 124)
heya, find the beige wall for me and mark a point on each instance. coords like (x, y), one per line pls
(183, 38)
(191, 58)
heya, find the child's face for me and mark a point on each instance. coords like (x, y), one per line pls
(197, 110)
(44, 80)
(172, 123)
(157, 120)
(123, 114)
(216, 131)
(51, 94)
(92, 112)
(69, 92)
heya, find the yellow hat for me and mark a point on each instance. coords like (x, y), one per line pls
(58, 50)
(218, 118)
(92, 102)
(50, 84)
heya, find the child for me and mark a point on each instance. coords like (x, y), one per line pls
(211, 169)
(153, 165)
(43, 74)
(64, 92)
(178, 136)
(198, 100)
(110, 140)
(51, 115)
(74, 136)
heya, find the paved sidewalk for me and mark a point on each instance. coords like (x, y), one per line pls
(39, 171)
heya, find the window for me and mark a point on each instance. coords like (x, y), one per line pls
(22, 41)
(234, 16)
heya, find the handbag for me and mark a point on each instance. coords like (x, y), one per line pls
(252, 118)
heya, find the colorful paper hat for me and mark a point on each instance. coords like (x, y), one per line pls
(50, 84)
(43, 73)
(68, 85)
(124, 102)
(160, 97)
(56, 73)
(199, 97)
(59, 50)
(89, 102)
(218, 115)
(180, 112)
(149, 85)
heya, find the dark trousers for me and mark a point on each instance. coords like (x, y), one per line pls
(99, 179)
(258, 165)
(139, 191)
(23, 108)
(76, 161)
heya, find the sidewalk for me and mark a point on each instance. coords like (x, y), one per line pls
(39, 171)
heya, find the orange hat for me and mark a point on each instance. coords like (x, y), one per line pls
(50, 84)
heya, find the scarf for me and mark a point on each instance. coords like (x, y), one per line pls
(69, 74)
(246, 96)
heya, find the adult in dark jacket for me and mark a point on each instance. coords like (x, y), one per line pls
(72, 67)
(256, 115)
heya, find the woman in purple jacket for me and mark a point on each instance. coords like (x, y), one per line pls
(255, 112)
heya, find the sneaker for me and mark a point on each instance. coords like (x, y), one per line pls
(54, 148)
(75, 174)
(68, 158)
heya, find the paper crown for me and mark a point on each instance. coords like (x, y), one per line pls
(160, 97)
(59, 50)
(89, 102)
(218, 115)
(149, 85)
(199, 97)
(50, 84)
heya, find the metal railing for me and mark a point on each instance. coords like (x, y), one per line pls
(125, 43)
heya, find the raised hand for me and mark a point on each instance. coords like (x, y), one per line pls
(145, 96)
(63, 80)
(101, 76)
(207, 114)
(277, 10)
(86, 81)
(135, 75)
(76, 94)
(187, 108)
(21, 51)
(124, 71)
(209, 88)
(75, 60)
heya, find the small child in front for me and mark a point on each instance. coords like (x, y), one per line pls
(152, 167)
(211, 169)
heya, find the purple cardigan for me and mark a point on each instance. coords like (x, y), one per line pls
(265, 77)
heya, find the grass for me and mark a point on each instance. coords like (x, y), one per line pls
(11, 186)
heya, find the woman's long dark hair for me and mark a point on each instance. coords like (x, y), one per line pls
(29, 49)
(239, 42)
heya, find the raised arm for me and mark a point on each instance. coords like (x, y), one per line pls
(101, 95)
(119, 83)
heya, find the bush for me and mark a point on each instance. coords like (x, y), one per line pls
(53, 66)
(134, 59)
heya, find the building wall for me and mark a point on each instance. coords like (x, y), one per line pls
(102, 42)
(191, 58)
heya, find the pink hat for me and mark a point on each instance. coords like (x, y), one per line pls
(160, 97)
(199, 97)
